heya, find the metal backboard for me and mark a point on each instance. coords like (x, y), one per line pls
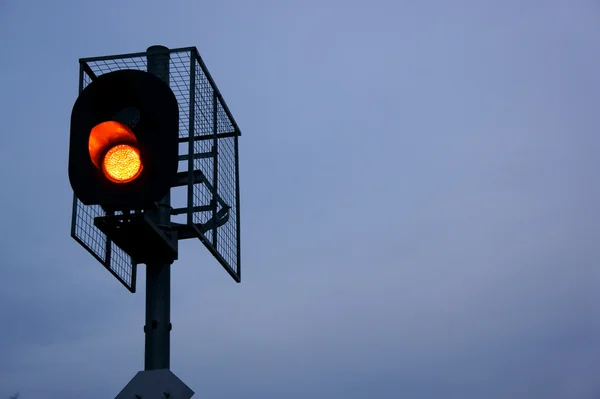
(208, 136)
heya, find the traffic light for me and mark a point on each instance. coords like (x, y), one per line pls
(124, 141)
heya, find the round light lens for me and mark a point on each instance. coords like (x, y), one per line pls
(122, 163)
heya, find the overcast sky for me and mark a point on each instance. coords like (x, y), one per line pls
(419, 202)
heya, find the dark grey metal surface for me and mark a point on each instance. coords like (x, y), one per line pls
(157, 353)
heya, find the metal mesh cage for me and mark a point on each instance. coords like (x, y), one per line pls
(208, 135)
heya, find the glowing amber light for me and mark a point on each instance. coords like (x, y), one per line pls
(122, 163)
(114, 150)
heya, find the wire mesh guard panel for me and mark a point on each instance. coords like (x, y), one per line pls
(106, 252)
(214, 130)
(83, 229)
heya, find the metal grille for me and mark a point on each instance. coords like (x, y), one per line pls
(179, 80)
(203, 127)
(204, 114)
(227, 182)
(83, 230)
(215, 133)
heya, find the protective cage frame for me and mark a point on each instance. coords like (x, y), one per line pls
(208, 150)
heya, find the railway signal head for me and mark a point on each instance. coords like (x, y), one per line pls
(123, 151)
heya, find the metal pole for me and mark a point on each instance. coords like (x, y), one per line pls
(158, 276)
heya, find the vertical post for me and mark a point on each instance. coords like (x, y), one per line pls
(237, 203)
(158, 276)
(215, 152)
(191, 140)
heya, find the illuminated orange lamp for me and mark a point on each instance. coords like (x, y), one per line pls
(114, 150)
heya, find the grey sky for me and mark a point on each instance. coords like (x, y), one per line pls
(419, 202)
